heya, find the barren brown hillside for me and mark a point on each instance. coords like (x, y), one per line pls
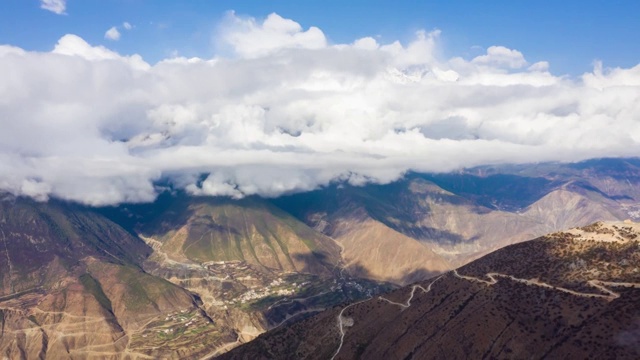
(569, 294)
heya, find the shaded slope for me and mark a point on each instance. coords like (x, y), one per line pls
(487, 231)
(569, 294)
(615, 178)
(498, 191)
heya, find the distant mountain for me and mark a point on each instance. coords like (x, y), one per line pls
(361, 221)
(572, 294)
(189, 276)
(439, 221)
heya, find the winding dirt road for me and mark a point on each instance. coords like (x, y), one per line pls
(404, 306)
(413, 291)
(341, 326)
(598, 284)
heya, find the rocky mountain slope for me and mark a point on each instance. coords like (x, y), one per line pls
(448, 220)
(180, 278)
(189, 276)
(252, 265)
(71, 286)
(249, 230)
(569, 294)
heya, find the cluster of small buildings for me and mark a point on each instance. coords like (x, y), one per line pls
(253, 294)
(258, 293)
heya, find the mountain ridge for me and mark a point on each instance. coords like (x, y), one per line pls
(238, 268)
(553, 296)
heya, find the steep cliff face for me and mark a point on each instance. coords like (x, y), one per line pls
(569, 294)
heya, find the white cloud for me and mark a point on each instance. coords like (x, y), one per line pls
(112, 34)
(73, 45)
(55, 6)
(250, 38)
(501, 56)
(367, 43)
(539, 66)
(87, 124)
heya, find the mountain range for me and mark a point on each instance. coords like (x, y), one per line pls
(193, 277)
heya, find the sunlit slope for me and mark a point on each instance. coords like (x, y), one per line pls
(35, 236)
(72, 285)
(447, 220)
(251, 230)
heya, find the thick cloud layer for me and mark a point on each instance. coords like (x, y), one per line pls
(288, 111)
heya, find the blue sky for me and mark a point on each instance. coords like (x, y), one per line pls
(570, 35)
(275, 97)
